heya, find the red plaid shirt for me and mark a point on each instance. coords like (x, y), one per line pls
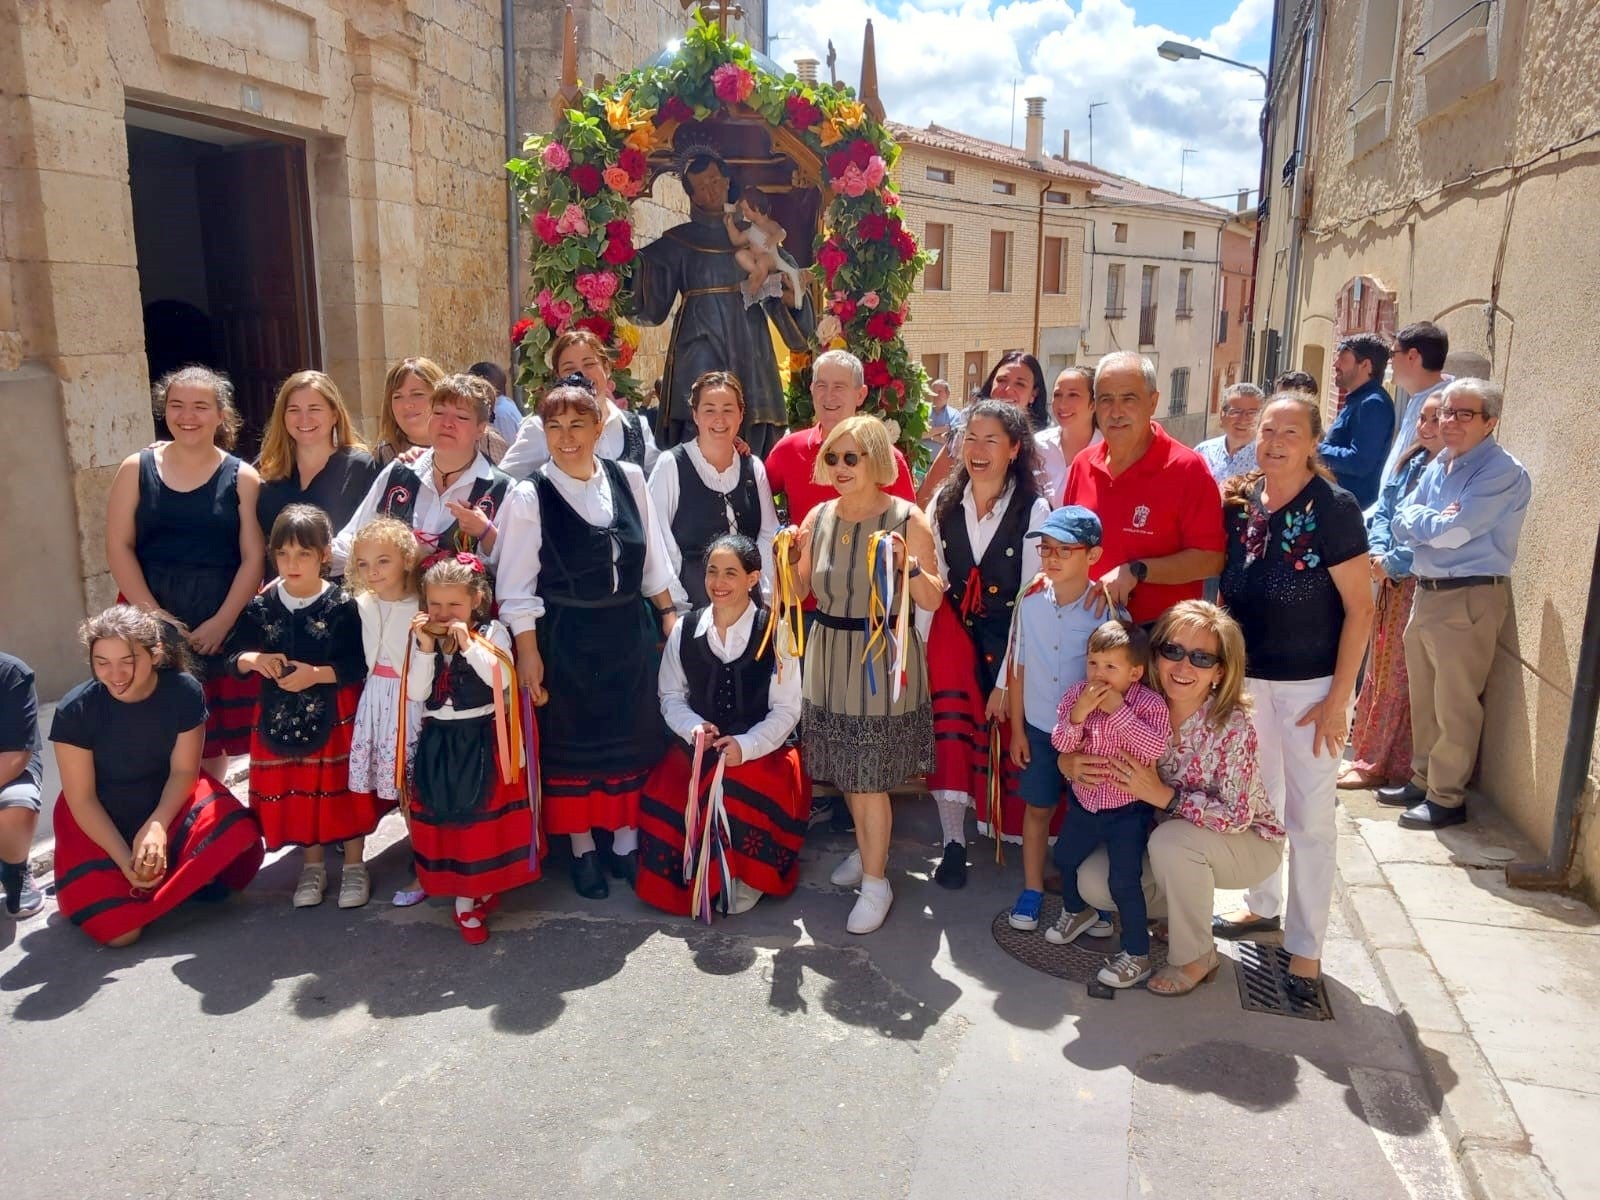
(1140, 729)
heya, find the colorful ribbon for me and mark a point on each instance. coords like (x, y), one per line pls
(995, 790)
(788, 608)
(888, 611)
(508, 722)
(708, 836)
(531, 765)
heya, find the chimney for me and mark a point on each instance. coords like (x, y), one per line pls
(806, 69)
(1244, 200)
(1034, 151)
(1066, 145)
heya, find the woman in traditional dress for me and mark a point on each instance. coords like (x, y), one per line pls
(585, 585)
(139, 827)
(980, 518)
(866, 731)
(729, 680)
(182, 540)
(405, 426)
(1380, 740)
(706, 488)
(310, 453)
(624, 436)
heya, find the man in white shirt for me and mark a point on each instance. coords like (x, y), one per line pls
(1418, 362)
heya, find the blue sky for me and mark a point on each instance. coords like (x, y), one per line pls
(953, 63)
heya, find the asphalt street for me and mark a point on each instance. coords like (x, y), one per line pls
(600, 1049)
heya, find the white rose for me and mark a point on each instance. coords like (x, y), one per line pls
(894, 429)
(827, 329)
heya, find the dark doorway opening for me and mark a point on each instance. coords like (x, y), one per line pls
(222, 229)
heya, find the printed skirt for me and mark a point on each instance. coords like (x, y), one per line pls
(372, 745)
(213, 839)
(307, 801)
(1380, 740)
(768, 804)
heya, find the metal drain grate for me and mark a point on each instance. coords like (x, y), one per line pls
(1261, 971)
(1080, 962)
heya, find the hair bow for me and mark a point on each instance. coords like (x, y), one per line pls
(471, 561)
(576, 379)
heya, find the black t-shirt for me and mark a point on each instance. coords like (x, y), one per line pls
(19, 717)
(337, 490)
(132, 743)
(1276, 582)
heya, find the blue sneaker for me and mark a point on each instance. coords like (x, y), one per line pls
(1025, 912)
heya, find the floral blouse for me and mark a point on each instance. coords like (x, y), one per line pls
(1218, 777)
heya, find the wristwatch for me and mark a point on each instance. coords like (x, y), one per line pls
(1139, 570)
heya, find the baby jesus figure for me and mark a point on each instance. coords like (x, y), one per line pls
(757, 247)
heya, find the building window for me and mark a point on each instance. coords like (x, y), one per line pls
(1178, 396)
(1055, 266)
(1119, 231)
(1149, 293)
(1002, 188)
(1459, 52)
(973, 370)
(1185, 297)
(999, 261)
(1375, 70)
(1114, 301)
(940, 239)
(1058, 197)
(933, 364)
(1188, 239)
(941, 175)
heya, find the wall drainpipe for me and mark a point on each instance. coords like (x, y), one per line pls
(1556, 870)
(508, 41)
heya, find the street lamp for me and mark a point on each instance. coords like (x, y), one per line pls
(1174, 51)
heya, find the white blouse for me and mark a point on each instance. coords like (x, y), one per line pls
(419, 678)
(783, 694)
(430, 516)
(664, 490)
(531, 450)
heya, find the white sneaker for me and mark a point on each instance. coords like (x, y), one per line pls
(312, 883)
(745, 898)
(1125, 970)
(1101, 928)
(848, 873)
(872, 908)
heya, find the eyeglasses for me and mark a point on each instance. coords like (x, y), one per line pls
(1057, 551)
(851, 458)
(1231, 411)
(1461, 416)
(1203, 659)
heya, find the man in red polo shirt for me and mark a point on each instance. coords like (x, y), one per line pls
(838, 390)
(1158, 506)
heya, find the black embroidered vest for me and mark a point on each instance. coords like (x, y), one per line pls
(400, 502)
(984, 593)
(704, 514)
(455, 680)
(575, 558)
(732, 696)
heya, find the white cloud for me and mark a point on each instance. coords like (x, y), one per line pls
(953, 62)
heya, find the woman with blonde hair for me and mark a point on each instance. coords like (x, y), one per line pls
(1217, 825)
(310, 453)
(864, 731)
(404, 424)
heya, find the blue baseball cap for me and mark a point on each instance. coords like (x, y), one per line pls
(1071, 525)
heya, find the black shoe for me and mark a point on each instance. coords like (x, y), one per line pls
(952, 869)
(624, 866)
(1405, 796)
(588, 879)
(1232, 931)
(1429, 815)
(1305, 990)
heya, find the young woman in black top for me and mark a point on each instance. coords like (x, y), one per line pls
(310, 453)
(1296, 581)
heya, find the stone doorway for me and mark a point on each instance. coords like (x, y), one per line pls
(222, 231)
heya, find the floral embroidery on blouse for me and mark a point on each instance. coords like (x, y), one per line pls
(1217, 775)
(1296, 544)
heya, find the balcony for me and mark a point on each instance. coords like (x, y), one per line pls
(1147, 325)
(1184, 312)
(1115, 312)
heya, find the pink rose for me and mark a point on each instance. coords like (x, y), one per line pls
(875, 170)
(555, 157)
(870, 300)
(597, 287)
(852, 183)
(732, 83)
(554, 313)
(573, 222)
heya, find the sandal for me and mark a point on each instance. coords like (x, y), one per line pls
(1171, 981)
(355, 886)
(312, 883)
(407, 896)
(473, 935)
(1354, 779)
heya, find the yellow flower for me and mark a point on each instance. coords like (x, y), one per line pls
(850, 113)
(619, 117)
(829, 133)
(642, 139)
(838, 343)
(629, 333)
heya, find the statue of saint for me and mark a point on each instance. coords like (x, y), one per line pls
(715, 330)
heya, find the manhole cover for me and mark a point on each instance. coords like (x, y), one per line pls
(1497, 854)
(1079, 962)
(1261, 971)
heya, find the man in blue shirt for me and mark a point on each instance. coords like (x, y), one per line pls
(1462, 525)
(1357, 446)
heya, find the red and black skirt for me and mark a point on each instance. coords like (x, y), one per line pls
(576, 805)
(230, 710)
(768, 803)
(468, 845)
(307, 801)
(213, 839)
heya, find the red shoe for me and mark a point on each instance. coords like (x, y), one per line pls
(489, 904)
(473, 935)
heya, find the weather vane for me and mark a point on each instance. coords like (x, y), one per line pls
(720, 9)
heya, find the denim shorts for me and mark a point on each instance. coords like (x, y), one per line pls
(1042, 784)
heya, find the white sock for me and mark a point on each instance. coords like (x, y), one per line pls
(874, 886)
(952, 815)
(625, 840)
(582, 843)
(465, 904)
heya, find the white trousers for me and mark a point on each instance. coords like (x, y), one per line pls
(1302, 788)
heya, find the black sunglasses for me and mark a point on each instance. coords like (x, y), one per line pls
(851, 458)
(1173, 652)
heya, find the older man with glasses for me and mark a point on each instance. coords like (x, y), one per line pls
(1462, 525)
(1234, 451)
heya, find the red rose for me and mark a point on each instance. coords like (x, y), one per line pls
(618, 251)
(619, 231)
(899, 389)
(634, 162)
(844, 308)
(873, 227)
(831, 257)
(838, 164)
(802, 113)
(877, 373)
(905, 245)
(586, 178)
(861, 152)
(520, 330)
(881, 326)
(598, 326)
(545, 226)
(675, 109)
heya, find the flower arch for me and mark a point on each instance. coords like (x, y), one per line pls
(576, 186)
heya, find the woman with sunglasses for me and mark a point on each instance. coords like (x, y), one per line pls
(1217, 826)
(864, 732)
(1296, 581)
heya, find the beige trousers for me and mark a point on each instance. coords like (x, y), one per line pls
(1450, 642)
(1182, 871)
